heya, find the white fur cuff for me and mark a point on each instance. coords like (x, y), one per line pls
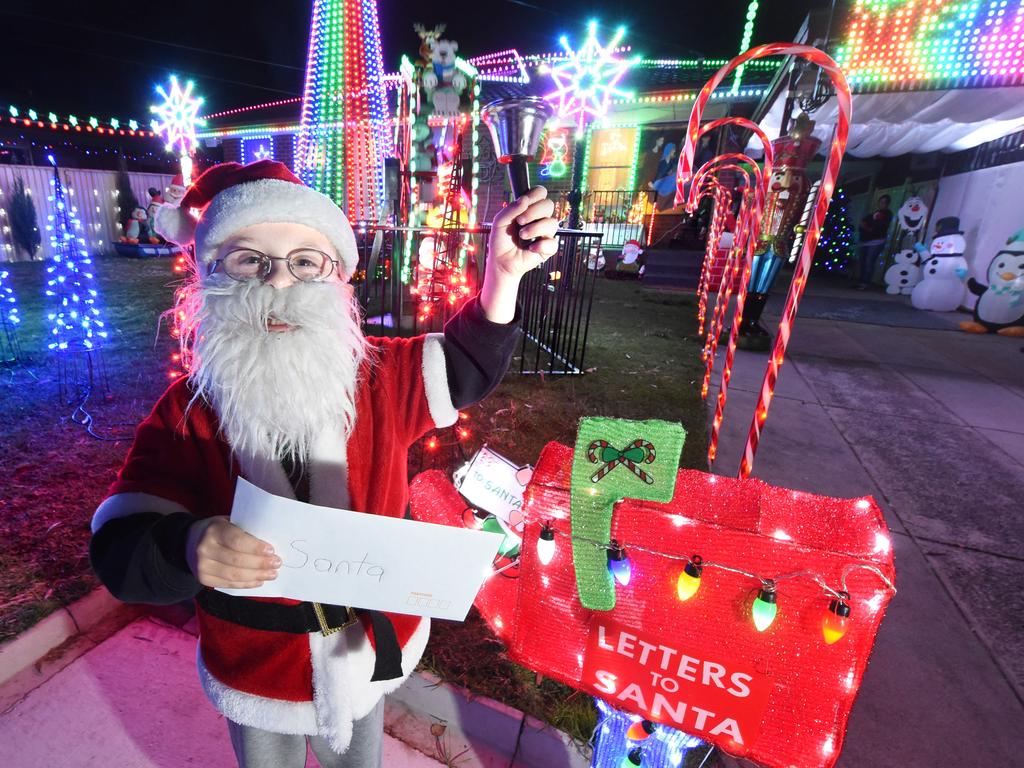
(435, 382)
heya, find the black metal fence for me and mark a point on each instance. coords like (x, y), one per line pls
(556, 298)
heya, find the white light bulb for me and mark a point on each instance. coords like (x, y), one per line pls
(546, 545)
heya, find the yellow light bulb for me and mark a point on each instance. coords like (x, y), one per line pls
(689, 579)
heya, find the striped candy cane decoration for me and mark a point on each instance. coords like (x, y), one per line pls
(769, 162)
(845, 102)
(733, 266)
(722, 199)
(734, 332)
(747, 227)
(828, 182)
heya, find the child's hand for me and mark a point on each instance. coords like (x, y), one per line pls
(223, 555)
(527, 218)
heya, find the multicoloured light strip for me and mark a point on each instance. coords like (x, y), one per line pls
(657, 98)
(928, 43)
(343, 132)
(29, 118)
(252, 131)
(586, 81)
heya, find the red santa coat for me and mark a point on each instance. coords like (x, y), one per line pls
(282, 682)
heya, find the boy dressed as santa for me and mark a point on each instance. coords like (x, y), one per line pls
(285, 391)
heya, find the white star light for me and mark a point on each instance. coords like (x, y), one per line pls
(585, 81)
(178, 117)
(262, 153)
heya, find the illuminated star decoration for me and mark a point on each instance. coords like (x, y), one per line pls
(262, 153)
(586, 79)
(178, 117)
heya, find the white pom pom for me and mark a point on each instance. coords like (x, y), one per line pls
(175, 224)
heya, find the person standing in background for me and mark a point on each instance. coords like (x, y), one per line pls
(874, 229)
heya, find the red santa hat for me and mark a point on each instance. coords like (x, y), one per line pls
(230, 197)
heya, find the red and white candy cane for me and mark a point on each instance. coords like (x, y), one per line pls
(769, 162)
(734, 331)
(747, 230)
(721, 202)
(681, 180)
(828, 182)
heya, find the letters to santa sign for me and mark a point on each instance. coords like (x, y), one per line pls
(778, 697)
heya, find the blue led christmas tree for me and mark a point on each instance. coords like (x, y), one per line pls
(623, 740)
(835, 248)
(75, 321)
(10, 350)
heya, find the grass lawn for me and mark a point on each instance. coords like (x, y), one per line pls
(642, 348)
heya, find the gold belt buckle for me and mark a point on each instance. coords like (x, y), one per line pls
(325, 628)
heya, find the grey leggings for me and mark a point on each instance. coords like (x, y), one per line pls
(256, 748)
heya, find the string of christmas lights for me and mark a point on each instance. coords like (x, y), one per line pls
(252, 108)
(29, 117)
(764, 609)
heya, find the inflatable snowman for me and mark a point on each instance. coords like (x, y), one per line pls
(912, 214)
(942, 286)
(904, 274)
(1000, 306)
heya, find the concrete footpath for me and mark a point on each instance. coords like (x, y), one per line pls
(133, 700)
(930, 423)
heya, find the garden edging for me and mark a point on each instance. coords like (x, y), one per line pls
(439, 718)
(44, 649)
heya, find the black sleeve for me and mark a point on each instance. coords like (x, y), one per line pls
(477, 353)
(141, 558)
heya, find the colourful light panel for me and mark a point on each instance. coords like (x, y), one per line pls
(344, 132)
(933, 43)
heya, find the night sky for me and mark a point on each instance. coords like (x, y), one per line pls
(104, 59)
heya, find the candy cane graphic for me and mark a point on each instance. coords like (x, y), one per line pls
(828, 182)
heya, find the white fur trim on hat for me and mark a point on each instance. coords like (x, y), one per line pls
(273, 201)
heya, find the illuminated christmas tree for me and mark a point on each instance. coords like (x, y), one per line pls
(835, 247)
(10, 349)
(343, 135)
(75, 318)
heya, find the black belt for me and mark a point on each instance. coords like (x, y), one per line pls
(304, 618)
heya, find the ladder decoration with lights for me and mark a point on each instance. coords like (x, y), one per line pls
(442, 289)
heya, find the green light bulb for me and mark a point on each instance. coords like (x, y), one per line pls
(764, 609)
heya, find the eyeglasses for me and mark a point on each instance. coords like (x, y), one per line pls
(305, 264)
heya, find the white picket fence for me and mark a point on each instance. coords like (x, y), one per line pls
(93, 193)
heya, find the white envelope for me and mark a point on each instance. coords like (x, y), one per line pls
(341, 557)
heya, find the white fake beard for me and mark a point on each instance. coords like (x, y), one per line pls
(274, 392)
